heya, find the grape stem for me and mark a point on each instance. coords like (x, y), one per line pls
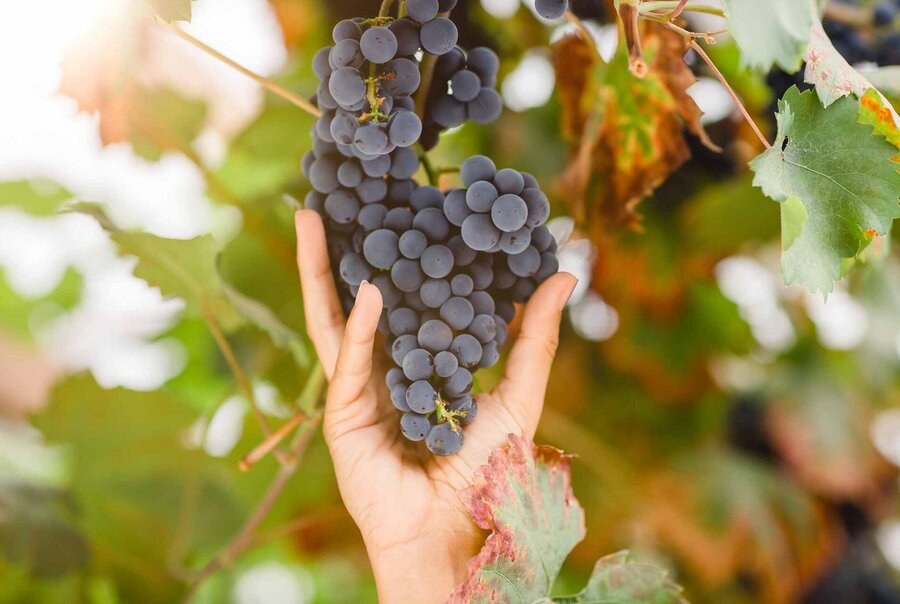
(265, 447)
(239, 375)
(426, 69)
(262, 81)
(676, 7)
(385, 8)
(586, 34)
(737, 101)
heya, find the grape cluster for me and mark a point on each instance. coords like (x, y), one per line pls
(449, 265)
(462, 88)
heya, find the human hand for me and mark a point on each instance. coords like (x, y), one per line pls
(403, 499)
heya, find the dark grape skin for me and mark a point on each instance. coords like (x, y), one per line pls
(378, 44)
(438, 36)
(407, 33)
(445, 364)
(551, 9)
(421, 396)
(414, 426)
(475, 168)
(443, 440)
(418, 365)
(422, 10)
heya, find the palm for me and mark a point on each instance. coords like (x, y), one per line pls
(395, 490)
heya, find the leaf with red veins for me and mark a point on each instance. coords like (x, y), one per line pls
(524, 496)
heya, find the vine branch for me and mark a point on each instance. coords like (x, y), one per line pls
(737, 101)
(586, 34)
(245, 536)
(262, 81)
(239, 375)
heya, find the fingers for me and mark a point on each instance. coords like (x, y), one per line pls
(528, 367)
(321, 305)
(354, 362)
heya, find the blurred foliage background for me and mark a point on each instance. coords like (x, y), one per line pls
(743, 434)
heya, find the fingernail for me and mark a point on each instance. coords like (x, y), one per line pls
(361, 291)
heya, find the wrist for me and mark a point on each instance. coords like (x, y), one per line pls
(423, 571)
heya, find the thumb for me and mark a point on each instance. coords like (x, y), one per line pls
(528, 367)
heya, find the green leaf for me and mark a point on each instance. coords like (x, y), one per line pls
(831, 74)
(836, 182)
(262, 316)
(183, 268)
(36, 197)
(171, 10)
(143, 499)
(771, 32)
(617, 580)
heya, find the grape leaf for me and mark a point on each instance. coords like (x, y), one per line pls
(617, 580)
(828, 71)
(771, 32)
(39, 197)
(877, 112)
(262, 316)
(836, 184)
(524, 496)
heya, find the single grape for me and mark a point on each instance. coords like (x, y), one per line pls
(484, 62)
(445, 364)
(515, 241)
(402, 346)
(526, 263)
(401, 77)
(354, 269)
(398, 220)
(503, 277)
(315, 201)
(509, 212)
(412, 244)
(482, 303)
(394, 376)
(422, 10)
(486, 107)
(551, 9)
(348, 29)
(447, 111)
(538, 206)
(418, 365)
(484, 328)
(424, 198)
(371, 217)
(342, 127)
(508, 180)
(404, 163)
(420, 396)
(414, 426)
(405, 128)
(346, 86)
(435, 336)
(522, 290)
(390, 295)
(490, 356)
(530, 181)
(323, 174)
(407, 275)
(350, 174)
(371, 139)
(455, 207)
(458, 384)
(371, 190)
(481, 196)
(320, 63)
(463, 255)
(541, 238)
(407, 33)
(475, 168)
(345, 53)
(467, 349)
(549, 266)
(381, 248)
(444, 440)
(458, 313)
(437, 261)
(342, 206)
(438, 36)
(377, 167)
(465, 85)
(402, 321)
(378, 44)
(398, 396)
(479, 232)
(461, 285)
(433, 223)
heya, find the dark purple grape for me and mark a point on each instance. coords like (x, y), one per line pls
(538, 206)
(437, 261)
(482, 303)
(347, 29)
(465, 85)
(398, 396)
(371, 217)
(438, 36)
(402, 346)
(415, 427)
(551, 9)
(458, 384)
(378, 44)
(342, 206)
(467, 349)
(475, 168)
(458, 313)
(390, 295)
(381, 248)
(426, 197)
(412, 244)
(461, 285)
(509, 212)
(407, 275)
(346, 86)
(481, 195)
(421, 396)
(445, 364)
(484, 328)
(526, 263)
(354, 269)
(402, 321)
(404, 128)
(435, 336)
(422, 10)
(490, 356)
(418, 365)
(508, 180)
(486, 107)
(433, 223)
(444, 440)
(407, 34)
